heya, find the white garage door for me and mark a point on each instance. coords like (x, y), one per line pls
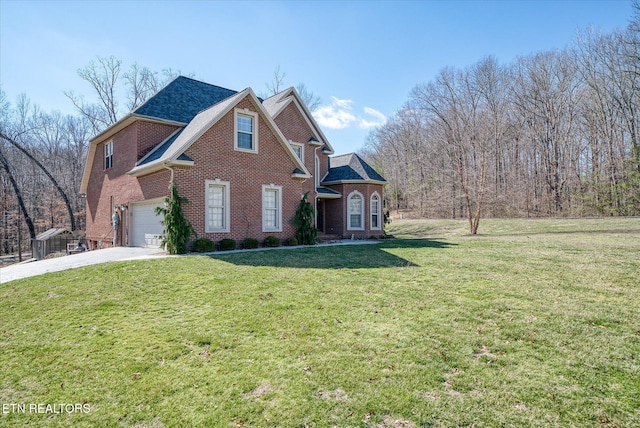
(146, 228)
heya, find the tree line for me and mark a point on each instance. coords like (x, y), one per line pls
(551, 134)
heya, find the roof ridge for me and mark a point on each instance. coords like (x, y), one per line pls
(199, 81)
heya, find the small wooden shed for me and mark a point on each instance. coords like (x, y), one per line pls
(51, 241)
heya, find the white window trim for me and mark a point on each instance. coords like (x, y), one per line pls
(379, 213)
(108, 154)
(278, 189)
(301, 149)
(227, 208)
(355, 192)
(254, 116)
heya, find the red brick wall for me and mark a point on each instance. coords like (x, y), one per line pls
(295, 128)
(115, 183)
(336, 214)
(215, 158)
(150, 135)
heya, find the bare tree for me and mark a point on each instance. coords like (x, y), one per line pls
(276, 85)
(109, 84)
(277, 80)
(143, 83)
(18, 193)
(455, 112)
(103, 77)
(62, 193)
(544, 94)
(311, 100)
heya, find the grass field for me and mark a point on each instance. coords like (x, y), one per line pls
(532, 323)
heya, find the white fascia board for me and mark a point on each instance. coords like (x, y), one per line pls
(155, 166)
(328, 196)
(300, 176)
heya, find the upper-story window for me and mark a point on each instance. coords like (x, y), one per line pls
(108, 155)
(246, 132)
(298, 149)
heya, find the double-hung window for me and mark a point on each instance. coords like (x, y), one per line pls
(108, 155)
(246, 130)
(374, 206)
(217, 206)
(298, 149)
(355, 210)
(271, 208)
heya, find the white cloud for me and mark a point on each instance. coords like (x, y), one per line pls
(377, 118)
(346, 104)
(337, 115)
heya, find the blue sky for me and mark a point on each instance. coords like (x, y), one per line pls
(361, 57)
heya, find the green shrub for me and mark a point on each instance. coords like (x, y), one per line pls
(227, 244)
(304, 221)
(250, 243)
(177, 229)
(291, 242)
(271, 241)
(203, 245)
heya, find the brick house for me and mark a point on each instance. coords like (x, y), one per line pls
(242, 162)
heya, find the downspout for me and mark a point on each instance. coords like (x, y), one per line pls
(170, 169)
(315, 188)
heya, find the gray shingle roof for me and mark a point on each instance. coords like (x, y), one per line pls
(350, 167)
(182, 99)
(325, 191)
(53, 232)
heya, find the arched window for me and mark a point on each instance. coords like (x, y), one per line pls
(374, 207)
(355, 211)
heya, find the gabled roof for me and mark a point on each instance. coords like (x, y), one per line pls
(194, 105)
(351, 168)
(182, 99)
(277, 103)
(171, 151)
(53, 232)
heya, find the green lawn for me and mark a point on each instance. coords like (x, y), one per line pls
(532, 323)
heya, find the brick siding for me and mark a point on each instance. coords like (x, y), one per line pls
(337, 210)
(115, 183)
(215, 158)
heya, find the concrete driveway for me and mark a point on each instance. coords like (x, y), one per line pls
(24, 270)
